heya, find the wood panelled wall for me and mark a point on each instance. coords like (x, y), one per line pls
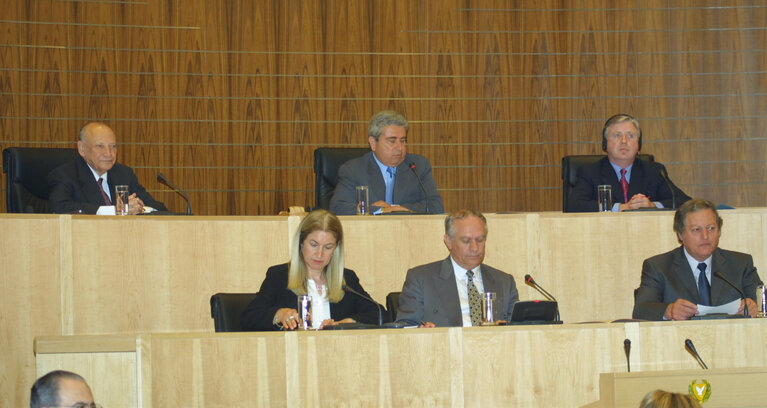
(229, 98)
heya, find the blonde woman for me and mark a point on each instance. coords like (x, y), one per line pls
(316, 268)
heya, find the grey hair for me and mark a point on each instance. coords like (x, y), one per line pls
(461, 215)
(383, 119)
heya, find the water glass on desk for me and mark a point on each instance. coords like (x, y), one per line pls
(605, 197)
(761, 301)
(121, 199)
(363, 200)
(489, 308)
(305, 312)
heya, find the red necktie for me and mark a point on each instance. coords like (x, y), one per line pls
(624, 186)
(104, 193)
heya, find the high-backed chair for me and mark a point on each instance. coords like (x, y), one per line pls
(226, 310)
(327, 160)
(392, 305)
(570, 165)
(26, 170)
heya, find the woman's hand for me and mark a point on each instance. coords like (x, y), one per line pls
(286, 318)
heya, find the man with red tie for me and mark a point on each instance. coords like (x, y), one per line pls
(87, 185)
(636, 183)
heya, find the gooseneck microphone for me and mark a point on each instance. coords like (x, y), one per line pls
(369, 299)
(162, 179)
(627, 350)
(688, 345)
(670, 185)
(742, 295)
(420, 183)
(531, 282)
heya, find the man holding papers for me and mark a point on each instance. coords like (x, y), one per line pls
(675, 283)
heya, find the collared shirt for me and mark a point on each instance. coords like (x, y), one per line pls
(385, 175)
(320, 303)
(617, 169)
(104, 209)
(461, 281)
(694, 266)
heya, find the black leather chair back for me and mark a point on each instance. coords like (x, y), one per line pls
(26, 170)
(327, 160)
(226, 310)
(570, 165)
(392, 305)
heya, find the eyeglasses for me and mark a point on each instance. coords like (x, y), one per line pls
(82, 405)
(619, 136)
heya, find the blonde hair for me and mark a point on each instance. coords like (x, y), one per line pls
(665, 399)
(318, 220)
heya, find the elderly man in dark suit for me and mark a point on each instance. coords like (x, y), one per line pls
(675, 283)
(444, 293)
(635, 183)
(87, 184)
(391, 174)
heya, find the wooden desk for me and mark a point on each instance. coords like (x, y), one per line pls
(67, 275)
(533, 366)
(730, 387)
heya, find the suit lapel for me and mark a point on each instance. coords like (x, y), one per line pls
(88, 184)
(377, 186)
(637, 179)
(682, 271)
(718, 286)
(444, 283)
(609, 177)
(400, 187)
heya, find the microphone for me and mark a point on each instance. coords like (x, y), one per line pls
(420, 183)
(670, 185)
(742, 295)
(162, 179)
(627, 350)
(688, 345)
(531, 282)
(369, 299)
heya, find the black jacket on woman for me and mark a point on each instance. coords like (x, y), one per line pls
(274, 295)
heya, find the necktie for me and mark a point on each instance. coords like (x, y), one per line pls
(104, 195)
(704, 289)
(624, 186)
(475, 301)
(390, 185)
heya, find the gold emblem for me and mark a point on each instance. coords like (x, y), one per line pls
(700, 390)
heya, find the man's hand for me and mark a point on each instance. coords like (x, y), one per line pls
(681, 309)
(637, 201)
(135, 205)
(751, 307)
(387, 208)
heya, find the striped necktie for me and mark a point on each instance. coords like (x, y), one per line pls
(475, 300)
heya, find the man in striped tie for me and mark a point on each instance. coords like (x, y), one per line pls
(448, 292)
(696, 273)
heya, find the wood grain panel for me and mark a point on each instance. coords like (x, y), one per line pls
(30, 278)
(220, 83)
(439, 367)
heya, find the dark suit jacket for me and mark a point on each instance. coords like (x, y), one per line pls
(645, 179)
(668, 277)
(364, 171)
(274, 295)
(430, 293)
(73, 188)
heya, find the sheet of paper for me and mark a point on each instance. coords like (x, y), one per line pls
(729, 308)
